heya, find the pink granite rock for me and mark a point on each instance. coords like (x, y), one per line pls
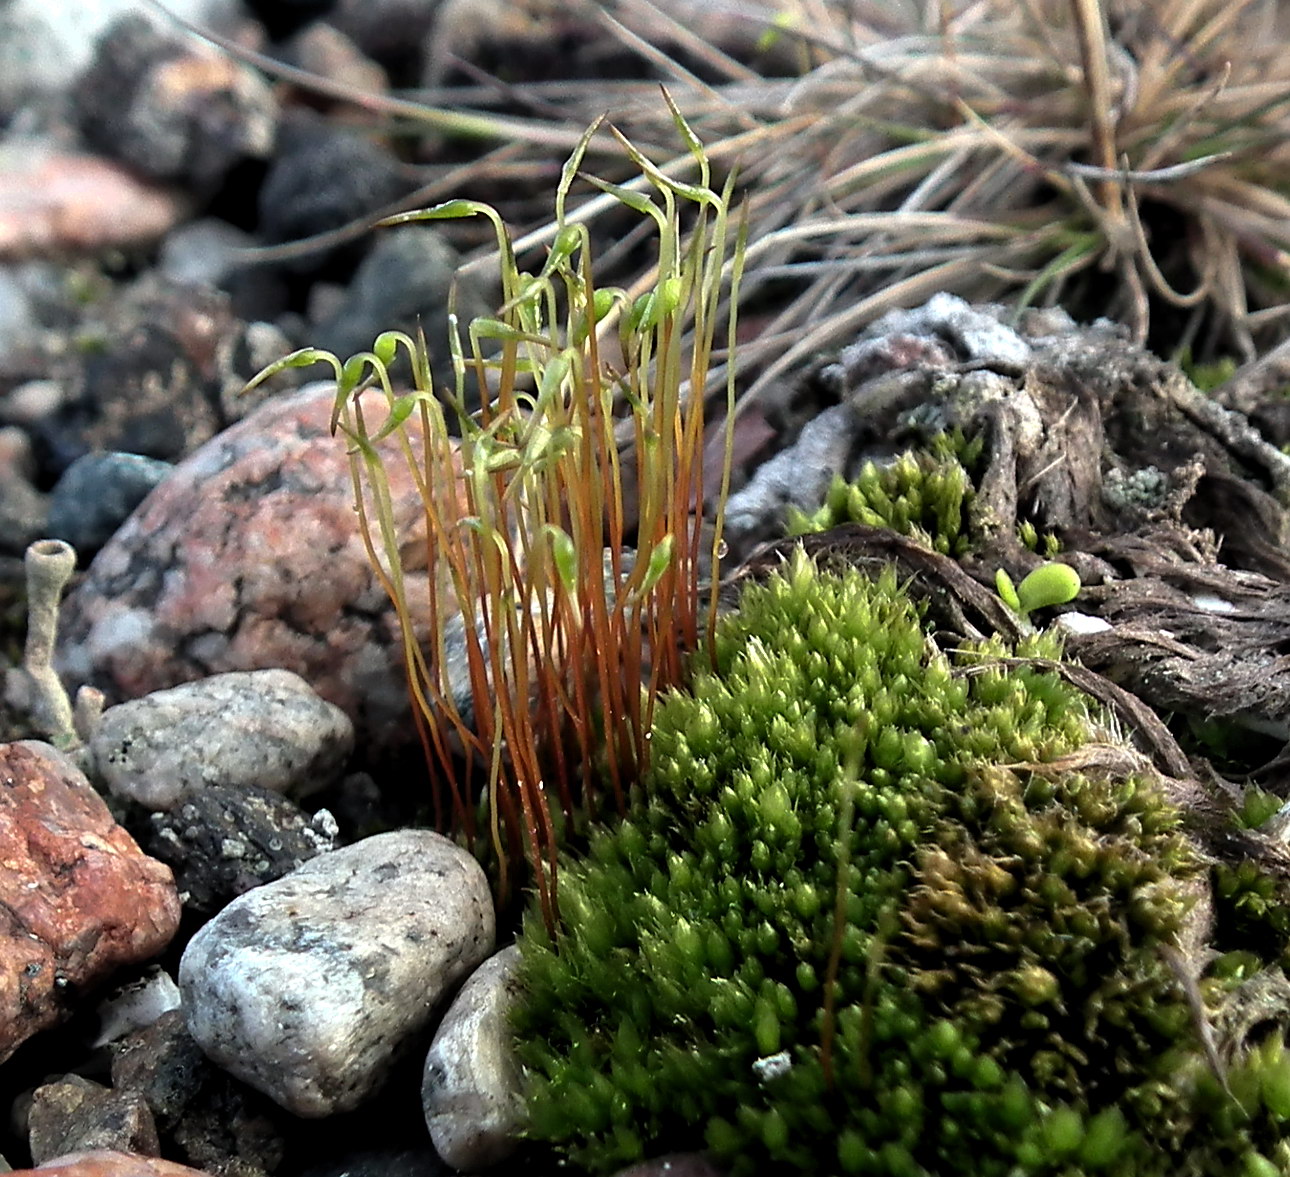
(247, 557)
(78, 898)
(102, 1163)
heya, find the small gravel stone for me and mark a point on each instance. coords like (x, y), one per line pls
(74, 1114)
(135, 1004)
(96, 494)
(470, 1087)
(221, 842)
(261, 727)
(171, 107)
(323, 177)
(308, 988)
(202, 252)
(204, 1116)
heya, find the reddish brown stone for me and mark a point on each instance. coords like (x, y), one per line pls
(54, 202)
(249, 557)
(102, 1163)
(78, 898)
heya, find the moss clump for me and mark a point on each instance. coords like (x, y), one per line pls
(923, 494)
(872, 917)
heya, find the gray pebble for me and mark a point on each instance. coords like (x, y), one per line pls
(470, 1087)
(202, 252)
(255, 727)
(43, 46)
(309, 988)
(97, 493)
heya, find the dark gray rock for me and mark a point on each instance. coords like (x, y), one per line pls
(224, 841)
(171, 107)
(143, 379)
(389, 31)
(401, 285)
(204, 1117)
(322, 177)
(96, 494)
(281, 18)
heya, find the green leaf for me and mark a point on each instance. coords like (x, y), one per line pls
(661, 179)
(448, 211)
(635, 201)
(554, 373)
(483, 328)
(305, 357)
(692, 142)
(571, 166)
(659, 558)
(642, 317)
(565, 555)
(1007, 590)
(400, 411)
(387, 345)
(351, 372)
(670, 292)
(567, 242)
(1049, 584)
(497, 459)
(603, 301)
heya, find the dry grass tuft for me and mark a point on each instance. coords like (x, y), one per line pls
(1126, 159)
(1121, 157)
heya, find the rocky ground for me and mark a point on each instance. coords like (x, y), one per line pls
(152, 195)
(233, 837)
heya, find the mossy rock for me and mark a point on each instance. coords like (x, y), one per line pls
(880, 911)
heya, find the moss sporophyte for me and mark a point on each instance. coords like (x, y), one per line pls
(548, 641)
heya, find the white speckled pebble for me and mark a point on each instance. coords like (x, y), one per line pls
(307, 988)
(259, 727)
(470, 1088)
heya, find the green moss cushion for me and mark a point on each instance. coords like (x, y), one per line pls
(877, 912)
